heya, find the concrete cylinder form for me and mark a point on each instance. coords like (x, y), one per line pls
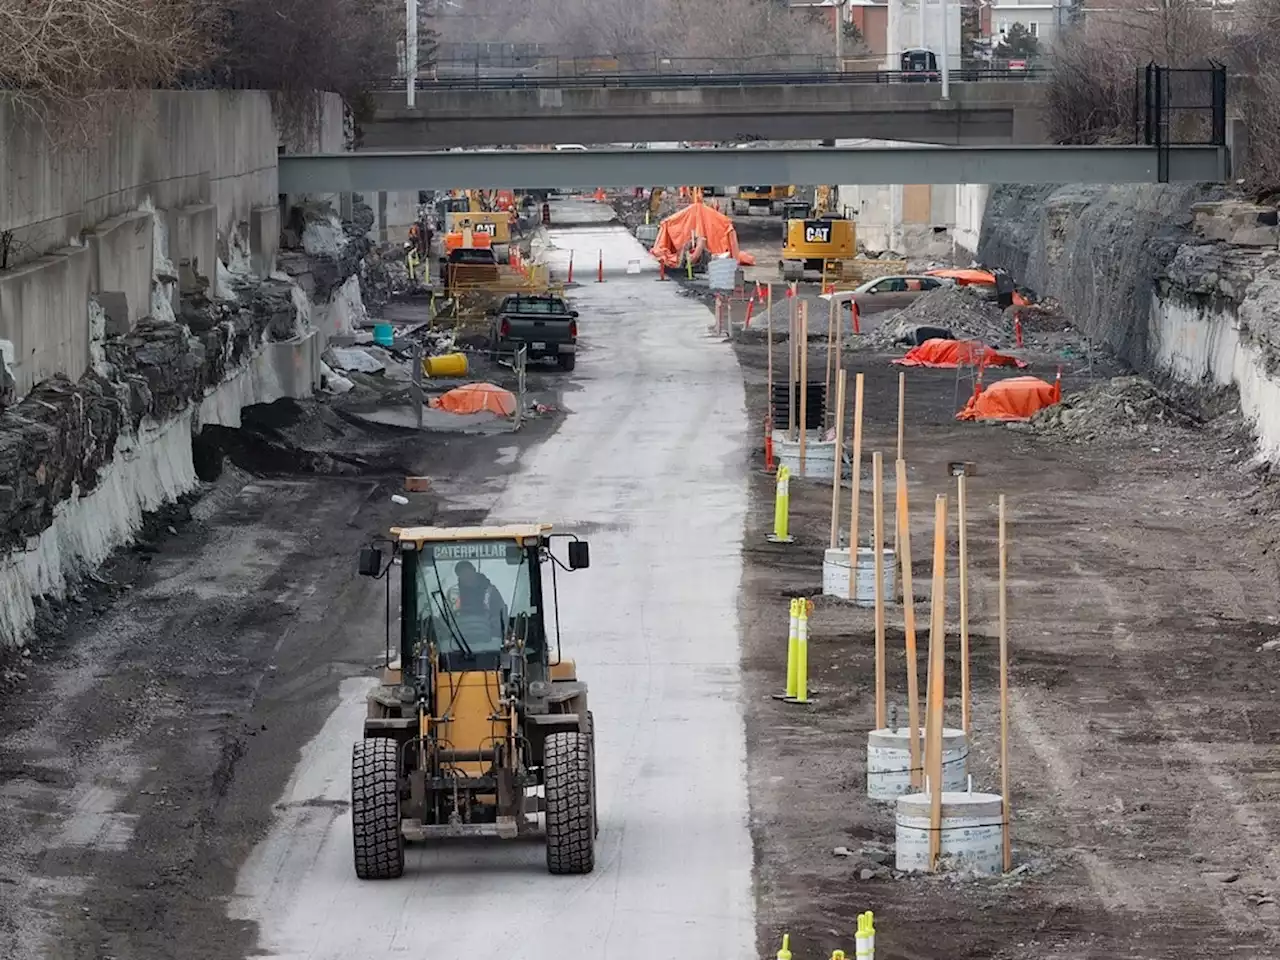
(835, 575)
(972, 833)
(889, 762)
(819, 456)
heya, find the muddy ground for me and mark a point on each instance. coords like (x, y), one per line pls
(1144, 718)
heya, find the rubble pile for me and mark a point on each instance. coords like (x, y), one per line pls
(1117, 409)
(962, 311)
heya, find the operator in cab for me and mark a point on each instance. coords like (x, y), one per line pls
(477, 596)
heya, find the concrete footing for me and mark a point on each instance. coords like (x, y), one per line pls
(835, 575)
(819, 456)
(889, 761)
(972, 833)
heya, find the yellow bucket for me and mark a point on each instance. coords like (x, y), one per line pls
(446, 365)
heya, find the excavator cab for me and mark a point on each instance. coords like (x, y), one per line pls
(479, 727)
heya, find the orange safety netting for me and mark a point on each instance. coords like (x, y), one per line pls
(478, 398)
(697, 220)
(953, 353)
(1017, 398)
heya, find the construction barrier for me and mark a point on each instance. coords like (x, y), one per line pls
(781, 508)
(865, 940)
(798, 672)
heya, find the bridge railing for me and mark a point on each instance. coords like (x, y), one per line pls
(525, 80)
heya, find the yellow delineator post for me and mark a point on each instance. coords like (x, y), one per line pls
(785, 952)
(801, 695)
(793, 650)
(781, 508)
(866, 936)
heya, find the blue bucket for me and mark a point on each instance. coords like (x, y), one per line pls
(383, 334)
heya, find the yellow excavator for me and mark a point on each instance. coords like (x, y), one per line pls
(767, 199)
(479, 727)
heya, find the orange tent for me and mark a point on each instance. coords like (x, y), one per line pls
(697, 220)
(478, 398)
(1018, 398)
(952, 353)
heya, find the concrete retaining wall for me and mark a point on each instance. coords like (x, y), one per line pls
(83, 221)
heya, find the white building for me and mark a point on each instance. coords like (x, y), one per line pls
(916, 24)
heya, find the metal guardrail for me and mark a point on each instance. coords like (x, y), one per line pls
(669, 80)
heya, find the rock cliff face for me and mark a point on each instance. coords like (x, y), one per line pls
(123, 432)
(1175, 279)
(1098, 250)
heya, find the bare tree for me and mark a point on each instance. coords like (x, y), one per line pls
(67, 49)
(304, 45)
(1094, 67)
(687, 31)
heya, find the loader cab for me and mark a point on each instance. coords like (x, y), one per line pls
(475, 597)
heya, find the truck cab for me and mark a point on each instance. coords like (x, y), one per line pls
(544, 324)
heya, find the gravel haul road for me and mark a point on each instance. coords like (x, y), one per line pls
(648, 468)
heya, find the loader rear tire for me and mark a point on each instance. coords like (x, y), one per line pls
(571, 846)
(375, 809)
(595, 795)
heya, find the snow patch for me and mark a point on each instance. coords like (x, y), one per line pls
(324, 237)
(149, 469)
(97, 334)
(346, 311)
(223, 288)
(1211, 346)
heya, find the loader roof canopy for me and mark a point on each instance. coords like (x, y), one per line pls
(517, 532)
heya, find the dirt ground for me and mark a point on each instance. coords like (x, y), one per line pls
(1144, 719)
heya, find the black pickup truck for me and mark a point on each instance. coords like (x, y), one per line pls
(542, 322)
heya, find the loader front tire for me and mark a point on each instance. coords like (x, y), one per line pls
(375, 809)
(571, 846)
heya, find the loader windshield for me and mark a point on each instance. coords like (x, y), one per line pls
(471, 595)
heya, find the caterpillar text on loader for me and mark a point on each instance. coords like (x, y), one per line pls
(478, 713)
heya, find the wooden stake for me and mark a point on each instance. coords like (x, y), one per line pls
(831, 343)
(792, 357)
(769, 331)
(902, 410)
(835, 481)
(903, 526)
(898, 585)
(803, 347)
(1004, 690)
(877, 544)
(964, 607)
(937, 678)
(857, 483)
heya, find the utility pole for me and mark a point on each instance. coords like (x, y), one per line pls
(410, 51)
(946, 50)
(839, 8)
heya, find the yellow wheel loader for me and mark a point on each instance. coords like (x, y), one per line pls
(478, 727)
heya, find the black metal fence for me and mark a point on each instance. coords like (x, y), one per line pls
(1180, 106)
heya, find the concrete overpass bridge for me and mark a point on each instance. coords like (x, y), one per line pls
(984, 107)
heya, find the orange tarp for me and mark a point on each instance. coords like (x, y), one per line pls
(1018, 398)
(953, 353)
(965, 276)
(697, 220)
(968, 275)
(478, 398)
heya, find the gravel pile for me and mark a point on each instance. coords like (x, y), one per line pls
(965, 313)
(1117, 409)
